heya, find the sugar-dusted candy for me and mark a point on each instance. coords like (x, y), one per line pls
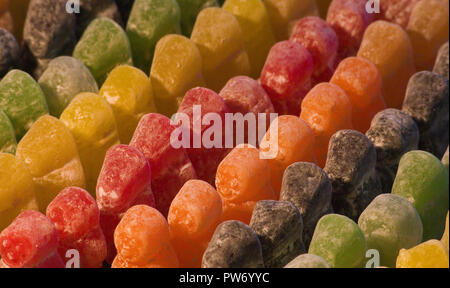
(326, 109)
(189, 10)
(91, 9)
(124, 181)
(31, 241)
(171, 167)
(177, 67)
(339, 241)
(64, 78)
(361, 81)
(103, 46)
(219, 37)
(351, 163)
(243, 179)
(279, 226)
(393, 133)
(397, 11)
(91, 121)
(284, 14)
(129, 92)
(233, 245)
(427, 102)
(309, 189)
(444, 239)
(9, 52)
(22, 100)
(319, 38)
(142, 240)
(51, 155)
(17, 190)
(293, 141)
(245, 95)
(393, 57)
(286, 76)
(390, 223)
(349, 18)
(166, 259)
(197, 103)
(428, 29)
(77, 220)
(8, 142)
(441, 65)
(431, 254)
(256, 30)
(193, 217)
(423, 180)
(308, 261)
(149, 21)
(49, 31)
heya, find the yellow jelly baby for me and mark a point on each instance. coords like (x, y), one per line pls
(256, 29)
(285, 13)
(431, 254)
(129, 92)
(91, 121)
(17, 191)
(218, 35)
(50, 153)
(176, 68)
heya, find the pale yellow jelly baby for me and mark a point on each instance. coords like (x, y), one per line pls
(17, 191)
(91, 121)
(50, 153)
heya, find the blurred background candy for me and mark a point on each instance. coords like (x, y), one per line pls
(48, 32)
